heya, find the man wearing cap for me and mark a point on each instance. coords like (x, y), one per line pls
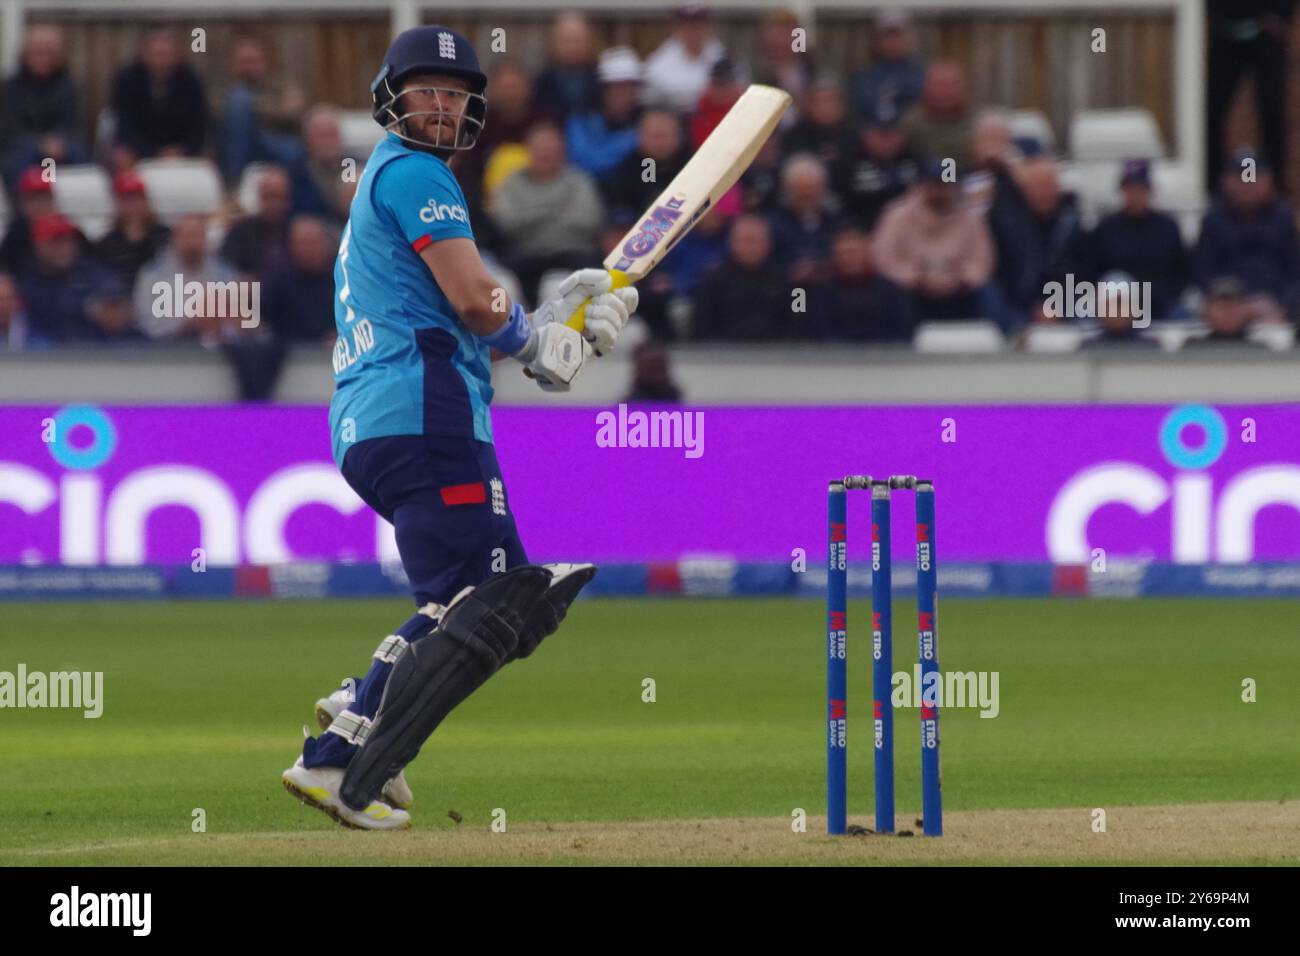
(1144, 243)
(35, 199)
(61, 284)
(896, 74)
(717, 99)
(934, 251)
(876, 169)
(137, 236)
(678, 71)
(599, 140)
(1249, 234)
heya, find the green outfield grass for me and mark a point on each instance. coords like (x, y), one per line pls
(1103, 704)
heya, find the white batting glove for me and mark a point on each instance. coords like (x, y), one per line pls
(606, 316)
(576, 288)
(560, 352)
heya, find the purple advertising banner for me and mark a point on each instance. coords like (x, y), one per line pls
(86, 485)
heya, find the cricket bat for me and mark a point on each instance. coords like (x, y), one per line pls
(714, 169)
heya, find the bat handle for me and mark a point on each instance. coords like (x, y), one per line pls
(618, 280)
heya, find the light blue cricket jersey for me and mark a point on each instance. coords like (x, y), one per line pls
(404, 364)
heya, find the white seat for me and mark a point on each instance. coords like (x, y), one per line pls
(1032, 124)
(246, 194)
(84, 194)
(359, 132)
(974, 335)
(1053, 338)
(1174, 191)
(1278, 338)
(1173, 335)
(1096, 184)
(177, 187)
(1115, 134)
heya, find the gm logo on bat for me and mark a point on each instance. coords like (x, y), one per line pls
(652, 229)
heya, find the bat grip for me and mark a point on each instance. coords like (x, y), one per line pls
(617, 280)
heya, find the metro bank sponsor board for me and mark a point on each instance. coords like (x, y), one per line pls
(86, 485)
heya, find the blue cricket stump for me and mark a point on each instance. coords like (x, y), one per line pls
(882, 655)
(928, 652)
(836, 660)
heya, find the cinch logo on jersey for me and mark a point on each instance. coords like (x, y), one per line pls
(102, 909)
(441, 212)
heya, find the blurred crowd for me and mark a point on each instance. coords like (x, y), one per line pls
(887, 198)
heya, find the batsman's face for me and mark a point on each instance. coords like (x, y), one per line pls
(433, 104)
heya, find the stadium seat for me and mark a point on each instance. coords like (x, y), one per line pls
(975, 335)
(359, 132)
(1053, 338)
(1172, 335)
(1278, 338)
(1175, 192)
(180, 186)
(84, 194)
(246, 195)
(1032, 124)
(1095, 184)
(1097, 135)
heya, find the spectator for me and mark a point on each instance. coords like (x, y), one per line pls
(159, 103)
(744, 298)
(659, 138)
(896, 75)
(1039, 242)
(852, 304)
(185, 260)
(35, 199)
(1144, 243)
(549, 213)
(601, 139)
(1248, 37)
(761, 182)
(678, 71)
(940, 125)
(109, 314)
(260, 118)
(501, 139)
(15, 329)
(568, 84)
(39, 106)
(652, 379)
(318, 186)
(136, 237)
(1249, 234)
(1120, 326)
(876, 169)
(822, 130)
(718, 97)
(259, 242)
(298, 299)
(1229, 314)
(994, 160)
(935, 252)
(781, 65)
(62, 285)
(803, 224)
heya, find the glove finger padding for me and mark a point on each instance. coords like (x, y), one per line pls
(580, 286)
(606, 316)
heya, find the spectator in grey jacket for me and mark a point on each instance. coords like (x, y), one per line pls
(549, 212)
(184, 260)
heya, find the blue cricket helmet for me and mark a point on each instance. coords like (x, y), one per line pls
(429, 49)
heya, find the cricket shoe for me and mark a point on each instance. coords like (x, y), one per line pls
(397, 791)
(319, 787)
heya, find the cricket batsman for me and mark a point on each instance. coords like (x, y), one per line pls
(419, 321)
